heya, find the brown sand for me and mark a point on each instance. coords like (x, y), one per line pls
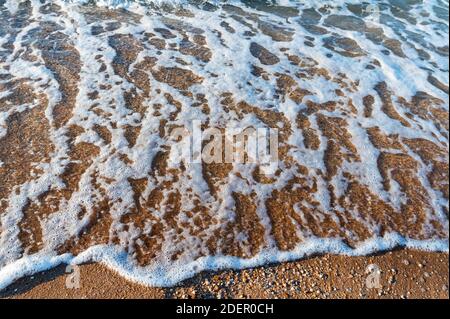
(162, 199)
(404, 274)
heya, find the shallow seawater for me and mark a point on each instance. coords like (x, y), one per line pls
(91, 93)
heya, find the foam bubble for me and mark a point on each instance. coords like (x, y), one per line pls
(117, 164)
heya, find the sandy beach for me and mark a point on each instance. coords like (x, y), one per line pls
(174, 138)
(405, 274)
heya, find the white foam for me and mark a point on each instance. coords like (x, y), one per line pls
(12, 5)
(168, 275)
(405, 76)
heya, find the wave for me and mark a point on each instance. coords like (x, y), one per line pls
(127, 3)
(167, 276)
(89, 170)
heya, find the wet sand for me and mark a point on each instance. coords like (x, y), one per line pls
(87, 150)
(403, 274)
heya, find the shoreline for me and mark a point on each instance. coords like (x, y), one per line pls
(339, 147)
(404, 273)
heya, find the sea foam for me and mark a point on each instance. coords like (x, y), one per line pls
(61, 229)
